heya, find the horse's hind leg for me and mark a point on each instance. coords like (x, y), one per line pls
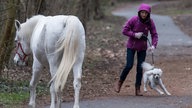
(33, 83)
(59, 94)
(52, 92)
(53, 68)
(77, 72)
(53, 96)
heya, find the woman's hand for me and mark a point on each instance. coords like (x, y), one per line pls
(151, 49)
(138, 35)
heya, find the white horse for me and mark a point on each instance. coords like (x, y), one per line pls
(56, 42)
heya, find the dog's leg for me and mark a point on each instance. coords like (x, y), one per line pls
(153, 86)
(163, 87)
(159, 91)
(145, 82)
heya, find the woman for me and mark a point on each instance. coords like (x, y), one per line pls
(135, 28)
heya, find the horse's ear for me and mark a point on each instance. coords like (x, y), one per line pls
(17, 24)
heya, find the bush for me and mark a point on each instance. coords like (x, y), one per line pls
(186, 3)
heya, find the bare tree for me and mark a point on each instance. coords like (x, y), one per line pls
(32, 7)
(98, 13)
(7, 37)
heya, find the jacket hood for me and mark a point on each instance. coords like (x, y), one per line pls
(145, 7)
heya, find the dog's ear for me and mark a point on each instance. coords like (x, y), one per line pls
(160, 72)
(149, 73)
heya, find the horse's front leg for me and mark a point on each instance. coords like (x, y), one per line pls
(33, 83)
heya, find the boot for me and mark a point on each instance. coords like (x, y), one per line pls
(137, 91)
(117, 86)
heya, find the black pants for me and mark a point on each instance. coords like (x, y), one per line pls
(130, 60)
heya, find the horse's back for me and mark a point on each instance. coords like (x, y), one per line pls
(57, 25)
(53, 29)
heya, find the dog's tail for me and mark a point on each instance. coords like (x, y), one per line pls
(146, 66)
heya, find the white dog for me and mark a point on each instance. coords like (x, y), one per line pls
(152, 76)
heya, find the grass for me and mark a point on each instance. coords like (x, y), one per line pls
(14, 93)
(12, 100)
(172, 8)
(173, 11)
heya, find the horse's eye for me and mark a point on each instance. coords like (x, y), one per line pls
(15, 45)
(15, 41)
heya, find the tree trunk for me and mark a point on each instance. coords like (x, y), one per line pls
(6, 43)
(81, 10)
(33, 7)
(98, 13)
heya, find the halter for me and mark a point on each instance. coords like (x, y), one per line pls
(20, 56)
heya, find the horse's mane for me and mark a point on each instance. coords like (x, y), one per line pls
(29, 25)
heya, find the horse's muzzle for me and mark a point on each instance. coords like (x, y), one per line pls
(18, 62)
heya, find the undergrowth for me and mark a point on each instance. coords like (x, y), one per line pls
(14, 93)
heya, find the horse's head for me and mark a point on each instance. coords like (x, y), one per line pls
(22, 44)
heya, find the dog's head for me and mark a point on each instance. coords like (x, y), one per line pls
(157, 74)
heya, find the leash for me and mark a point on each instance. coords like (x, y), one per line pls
(152, 55)
(143, 37)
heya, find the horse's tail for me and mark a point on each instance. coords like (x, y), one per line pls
(70, 44)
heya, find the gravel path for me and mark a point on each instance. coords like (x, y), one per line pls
(134, 102)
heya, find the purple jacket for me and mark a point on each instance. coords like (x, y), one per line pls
(134, 25)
